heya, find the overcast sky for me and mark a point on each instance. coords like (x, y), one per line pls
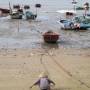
(58, 3)
(21, 1)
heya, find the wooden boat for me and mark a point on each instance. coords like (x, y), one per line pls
(4, 12)
(16, 14)
(50, 37)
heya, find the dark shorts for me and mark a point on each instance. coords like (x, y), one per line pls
(46, 89)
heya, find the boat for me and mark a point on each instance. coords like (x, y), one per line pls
(16, 15)
(84, 7)
(16, 12)
(77, 23)
(50, 37)
(66, 24)
(4, 12)
(28, 14)
(79, 8)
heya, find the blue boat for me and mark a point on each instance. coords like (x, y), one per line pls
(78, 22)
(29, 15)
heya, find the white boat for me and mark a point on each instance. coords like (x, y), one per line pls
(16, 14)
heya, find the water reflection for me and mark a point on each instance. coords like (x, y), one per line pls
(49, 46)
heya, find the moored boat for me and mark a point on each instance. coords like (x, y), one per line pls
(30, 16)
(77, 23)
(4, 12)
(79, 8)
(50, 37)
(16, 12)
(16, 15)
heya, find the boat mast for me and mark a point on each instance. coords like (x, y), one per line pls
(37, 6)
(10, 8)
(74, 2)
(86, 7)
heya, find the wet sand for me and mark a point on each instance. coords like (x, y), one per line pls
(68, 68)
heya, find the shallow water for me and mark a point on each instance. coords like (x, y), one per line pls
(28, 34)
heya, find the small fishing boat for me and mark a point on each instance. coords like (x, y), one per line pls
(16, 12)
(50, 37)
(4, 12)
(30, 16)
(16, 15)
(79, 8)
(78, 23)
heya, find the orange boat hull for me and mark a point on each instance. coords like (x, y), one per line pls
(50, 37)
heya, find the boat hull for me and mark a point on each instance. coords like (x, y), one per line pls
(13, 16)
(32, 17)
(81, 28)
(50, 37)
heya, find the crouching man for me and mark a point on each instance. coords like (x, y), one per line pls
(43, 82)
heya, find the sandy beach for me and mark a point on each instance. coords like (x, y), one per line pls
(68, 68)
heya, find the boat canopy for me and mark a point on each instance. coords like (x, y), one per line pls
(65, 11)
(26, 7)
(16, 6)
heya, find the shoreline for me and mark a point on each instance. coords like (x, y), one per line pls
(67, 51)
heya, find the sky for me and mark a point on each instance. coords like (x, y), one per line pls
(60, 3)
(26, 1)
